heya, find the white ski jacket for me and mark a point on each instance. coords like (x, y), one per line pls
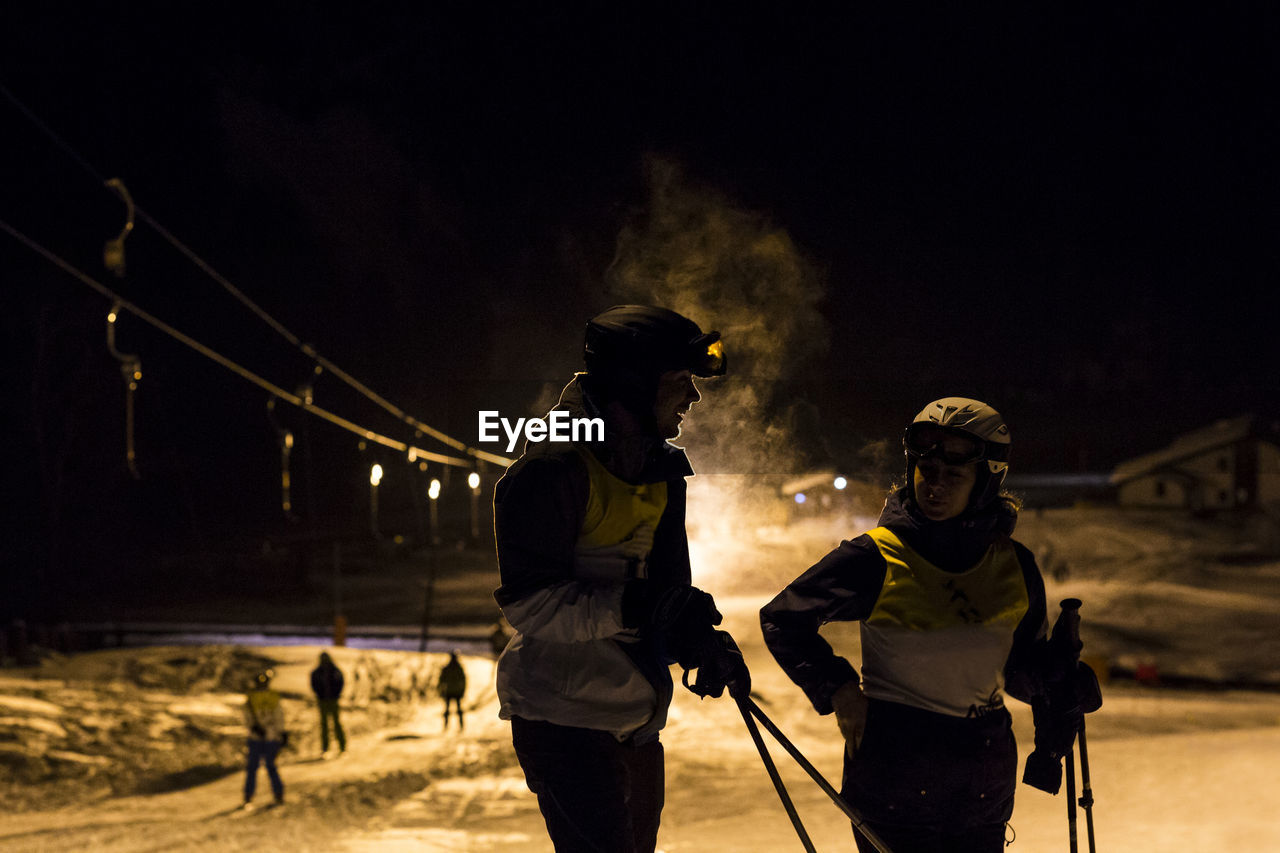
(571, 535)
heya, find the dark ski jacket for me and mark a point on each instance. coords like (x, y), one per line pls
(579, 657)
(848, 583)
(326, 681)
(453, 680)
(946, 609)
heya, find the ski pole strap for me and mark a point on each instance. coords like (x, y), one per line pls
(858, 823)
(777, 780)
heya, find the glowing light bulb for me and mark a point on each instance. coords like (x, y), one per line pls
(800, 497)
(473, 480)
(433, 490)
(840, 482)
(375, 474)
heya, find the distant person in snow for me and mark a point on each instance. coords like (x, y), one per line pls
(326, 684)
(265, 720)
(453, 686)
(498, 639)
(952, 613)
(594, 564)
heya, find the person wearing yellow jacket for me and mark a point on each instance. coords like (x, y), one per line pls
(952, 616)
(265, 720)
(594, 564)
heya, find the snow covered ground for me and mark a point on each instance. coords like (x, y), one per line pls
(137, 750)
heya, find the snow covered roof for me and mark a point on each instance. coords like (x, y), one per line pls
(1187, 446)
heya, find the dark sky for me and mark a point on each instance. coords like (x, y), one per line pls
(1070, 215)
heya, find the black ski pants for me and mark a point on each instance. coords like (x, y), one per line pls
(931, 783)
(597, 795)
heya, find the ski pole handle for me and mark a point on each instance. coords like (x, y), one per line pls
(1067, 630)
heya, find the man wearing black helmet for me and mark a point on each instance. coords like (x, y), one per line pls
(952, 614)
(595, 574)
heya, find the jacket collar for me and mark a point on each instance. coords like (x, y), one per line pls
(956, 544)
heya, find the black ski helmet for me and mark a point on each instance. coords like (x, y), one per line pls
(646, 341)
(984, 429)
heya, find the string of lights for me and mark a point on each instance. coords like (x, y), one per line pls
(307, 349)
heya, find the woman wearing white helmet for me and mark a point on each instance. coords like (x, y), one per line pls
(952, 614)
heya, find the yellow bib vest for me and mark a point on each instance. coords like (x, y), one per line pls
(939, 640)
(263, 703)
(618, 526)
(573, 669)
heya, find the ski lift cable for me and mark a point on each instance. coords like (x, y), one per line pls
(279, 328)
(306, 349)
(123, 304)
(310, 351)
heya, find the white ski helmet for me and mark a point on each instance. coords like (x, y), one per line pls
(985, 433)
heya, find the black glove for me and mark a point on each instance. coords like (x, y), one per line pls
(1059, 716)
(720, 665)
(1056, 729)
(685, 617)
(257, 731)
(1043, 771)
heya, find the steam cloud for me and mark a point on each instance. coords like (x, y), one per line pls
(730, 269)
(734, 270)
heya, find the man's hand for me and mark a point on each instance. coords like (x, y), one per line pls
(686, 618)
(850, 705)
(720, 664)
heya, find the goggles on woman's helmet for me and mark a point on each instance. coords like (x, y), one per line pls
(925, 439)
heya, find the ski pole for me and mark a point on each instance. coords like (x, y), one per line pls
(1088, 696)
(858, 823)
(1086, 798)
(777, 780)
(1069, 760)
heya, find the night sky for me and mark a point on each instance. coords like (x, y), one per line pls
(1070, 215)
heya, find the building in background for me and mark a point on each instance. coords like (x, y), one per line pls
(1232, 464)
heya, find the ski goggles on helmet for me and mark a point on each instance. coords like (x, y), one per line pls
(925, 439)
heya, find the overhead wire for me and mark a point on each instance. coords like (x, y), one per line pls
(310, 351)
(307, 349)
(122, 304)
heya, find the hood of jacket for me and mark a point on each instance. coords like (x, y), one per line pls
(954, 545)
